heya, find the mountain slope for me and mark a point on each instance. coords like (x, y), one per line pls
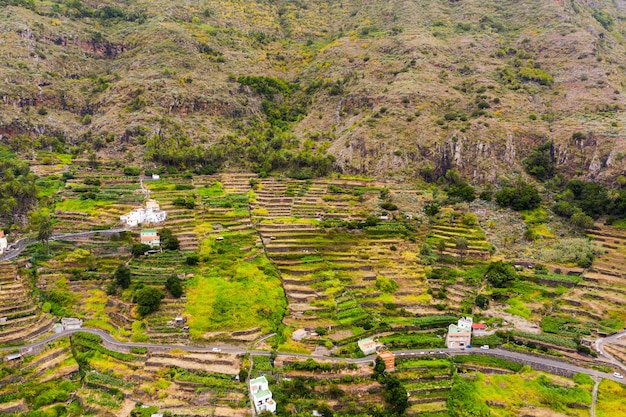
(389, 88)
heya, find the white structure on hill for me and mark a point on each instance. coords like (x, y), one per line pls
(151, 214)
(262, 395)
(460, 334)
(150, 237)
(368, 346)
(71, 323)
(4, 244)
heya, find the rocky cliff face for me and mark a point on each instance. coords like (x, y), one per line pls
(396, 88)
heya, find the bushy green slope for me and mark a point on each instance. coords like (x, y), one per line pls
(386, 87)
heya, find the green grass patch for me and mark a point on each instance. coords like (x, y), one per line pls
(611, 399)
(413, 341)
(517, 307)
(489, 361)
(214, 190)
(84, 206)
(234, 289)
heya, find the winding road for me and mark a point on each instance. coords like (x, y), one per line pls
(536, 362)
(610, 339)
(17, 247)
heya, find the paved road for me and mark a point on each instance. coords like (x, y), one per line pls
(20, 245)
(552, 365)
(610, 339)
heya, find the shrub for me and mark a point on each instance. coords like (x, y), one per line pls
(148, 299)
(432, 209)
(521, 197)
(470, 219)
(482, 301)
(535, 74)
(500, 274)
(192, 259)
(386, 285)
(541, 162)
(389, 206)
(131, 171)
(174, 286)
(139, 249)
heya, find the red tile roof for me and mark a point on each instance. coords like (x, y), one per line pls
(479, 326)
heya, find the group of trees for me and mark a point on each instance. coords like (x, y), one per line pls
(520, 196)
(17, 187)
(396, 397)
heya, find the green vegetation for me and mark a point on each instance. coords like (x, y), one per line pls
(17, 187)
(233, 293)
(148, 299)
(522, 196)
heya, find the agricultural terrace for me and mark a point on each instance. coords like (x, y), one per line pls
(81, 377)
(344, 258)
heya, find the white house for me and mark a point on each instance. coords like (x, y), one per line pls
(299, 334)
(150, 237)
(4, 244)
(460, 334)
(70, 323)
(151, 214)
(262, 395)
(368, 346)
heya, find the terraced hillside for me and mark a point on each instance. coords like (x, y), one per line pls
(20, 317)
(83, 377)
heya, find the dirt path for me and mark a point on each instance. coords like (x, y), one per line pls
(127, 407)
(594, 398)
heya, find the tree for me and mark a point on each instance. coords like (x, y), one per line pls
(500, 274)
(148, 299)
(482, 301)
(432, 209)
(139, 249)
(541, 162)
(174, 286)
(521, 197)
(379, 367)
(441, 246)
(168, 240)
(44, 232)
(122, 276)
(461, 245)
(396, 395)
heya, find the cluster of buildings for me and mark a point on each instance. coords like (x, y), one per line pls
(151, 214)
(460, 334)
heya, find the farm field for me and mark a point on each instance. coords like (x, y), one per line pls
(342, 258)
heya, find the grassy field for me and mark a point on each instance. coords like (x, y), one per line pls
(238, 289)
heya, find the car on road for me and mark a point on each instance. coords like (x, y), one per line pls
(618, 375)
(216, 350)
(486, 347)
(468, 346)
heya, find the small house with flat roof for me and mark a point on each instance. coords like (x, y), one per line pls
(262, 396)
(150, 237)
(368, 346)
